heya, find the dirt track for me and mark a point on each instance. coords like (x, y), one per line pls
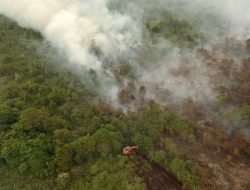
(155, 176)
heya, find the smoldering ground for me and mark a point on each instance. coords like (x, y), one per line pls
(132, 51)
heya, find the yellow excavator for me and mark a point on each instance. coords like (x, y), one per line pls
(129, 150)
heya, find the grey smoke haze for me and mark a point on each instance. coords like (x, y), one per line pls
(70, 25)
(115, 32)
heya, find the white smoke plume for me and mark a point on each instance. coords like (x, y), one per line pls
(99, 35)
(72, 25)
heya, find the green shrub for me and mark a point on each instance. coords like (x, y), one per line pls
(8, 115)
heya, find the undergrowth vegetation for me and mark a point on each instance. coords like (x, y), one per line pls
(177, 31)
(54, 135)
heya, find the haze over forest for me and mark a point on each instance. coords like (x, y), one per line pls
(80, 80)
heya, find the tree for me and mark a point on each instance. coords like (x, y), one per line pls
(34, 119)
(29, 155)
(8, 115)
(107, 142)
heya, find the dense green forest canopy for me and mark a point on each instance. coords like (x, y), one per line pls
(55, 136)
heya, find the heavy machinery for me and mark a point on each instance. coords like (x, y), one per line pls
(129, 150)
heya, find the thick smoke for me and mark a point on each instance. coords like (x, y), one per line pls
(72, 25)
(101, 36)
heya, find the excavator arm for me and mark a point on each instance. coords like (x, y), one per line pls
(128, 150)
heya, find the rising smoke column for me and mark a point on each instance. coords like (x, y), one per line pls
(71, 25)
(114, 29)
